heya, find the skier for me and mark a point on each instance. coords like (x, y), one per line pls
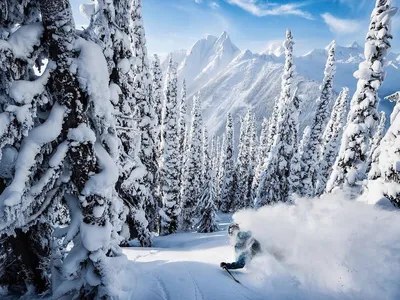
(246, 247)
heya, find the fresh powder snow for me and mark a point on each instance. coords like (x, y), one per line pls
(315, 249)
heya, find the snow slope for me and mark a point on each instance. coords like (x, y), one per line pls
(323, 248)
(230, 80)
(328, 248)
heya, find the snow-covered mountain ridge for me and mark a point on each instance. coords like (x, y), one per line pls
(231, 80)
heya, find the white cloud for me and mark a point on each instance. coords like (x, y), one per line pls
(341, 26)
(198, 1)
(354, 3)
(214, 5)
(264, 9)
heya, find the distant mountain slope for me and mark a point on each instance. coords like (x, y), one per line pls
(231, 80)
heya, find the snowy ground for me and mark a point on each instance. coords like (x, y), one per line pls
(186, 266)
(327, 248)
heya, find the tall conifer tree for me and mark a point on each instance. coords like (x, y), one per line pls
(310, 157)
(275, 179)
(227, 168)
(169, 164)
(363, 117)
(191, 183)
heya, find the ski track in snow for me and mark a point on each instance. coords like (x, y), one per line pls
(197, 291)
(165, 295)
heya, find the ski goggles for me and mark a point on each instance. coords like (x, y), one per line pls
(232, 228)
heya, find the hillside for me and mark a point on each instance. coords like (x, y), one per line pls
(231, 80)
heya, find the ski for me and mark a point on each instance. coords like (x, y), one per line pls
(233, 277)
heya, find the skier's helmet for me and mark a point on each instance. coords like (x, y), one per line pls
(232, 228)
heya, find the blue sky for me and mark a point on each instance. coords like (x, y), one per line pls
(256, 24)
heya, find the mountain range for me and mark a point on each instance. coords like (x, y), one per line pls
(231, 80)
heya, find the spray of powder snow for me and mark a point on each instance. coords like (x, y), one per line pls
(330, 247)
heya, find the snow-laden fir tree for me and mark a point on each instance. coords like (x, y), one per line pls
(227, 189)
(261, 155)
(68, 153)
(213, 153)
(218, 169)
(242, 167)
(191, 182)
(147, 117)
(111, 29)
(205, 159)
(295, 171)
(158, 97)
(23, 253)
(374, 171)
(363, 116)
(158, 102)
(253, 157)
(376, 139)
(295, 166)
(310, 157)
(208, 211)
(384, 176)
(182, 129)
(273, 121)
(274, 183)
(169, 163)
(331, 139)
(304, 140)
(262, 148)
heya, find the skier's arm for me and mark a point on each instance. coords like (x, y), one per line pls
(239, 263)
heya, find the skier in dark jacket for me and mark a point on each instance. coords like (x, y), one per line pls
(246, 247)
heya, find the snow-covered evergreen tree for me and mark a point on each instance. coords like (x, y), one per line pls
(23, 251)
(158, 97)
(254, 148)
(331, 139)
(242, 168)
(111, 29)
(384, 179)
(182, 129)
(310, 157)
(158, 102)
(219, 170)
(227, 168)
(374, 171)
(376, 139)
(169, 164)
(68, 153)
(205, 160)
(295, 171)
(262, 148)
(213, 154)
(208, 211)
(191, 183)
(145, 104)
(363, 117)
(273, 121)
(261, 156)
(275, 179)
(295, 166)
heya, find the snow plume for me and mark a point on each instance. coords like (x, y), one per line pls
(326, 248)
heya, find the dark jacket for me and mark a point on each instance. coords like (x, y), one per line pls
(245, 248)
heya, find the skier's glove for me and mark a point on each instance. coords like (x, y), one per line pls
(223, 265)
